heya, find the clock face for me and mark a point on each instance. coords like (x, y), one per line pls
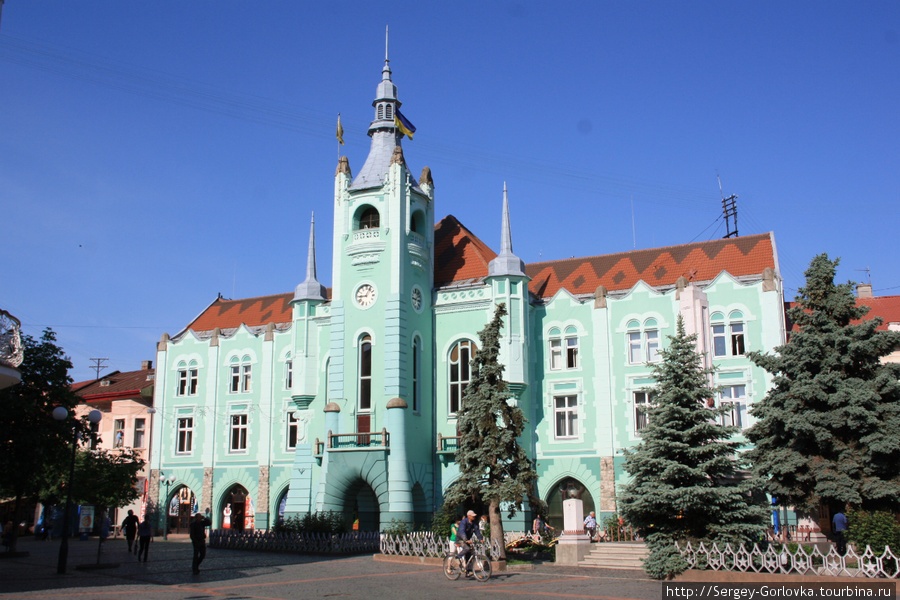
(365, 295)
(417, 298)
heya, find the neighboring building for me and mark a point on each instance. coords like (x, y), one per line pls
(346, 399)
(886, 307)
(126, 402)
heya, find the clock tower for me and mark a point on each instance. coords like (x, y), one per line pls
(380, 368)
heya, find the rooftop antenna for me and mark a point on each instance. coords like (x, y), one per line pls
(729, 208)
(633, 234)
(386, 60)
(98, 365)
(868, 273)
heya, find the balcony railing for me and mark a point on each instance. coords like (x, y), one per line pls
(11, 353)
(447, 445)
(360, 440)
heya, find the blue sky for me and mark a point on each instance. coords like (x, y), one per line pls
(155, 154)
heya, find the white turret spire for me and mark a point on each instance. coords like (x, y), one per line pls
(310, 289)
(506, 262)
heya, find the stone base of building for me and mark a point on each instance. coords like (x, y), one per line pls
(572, 548)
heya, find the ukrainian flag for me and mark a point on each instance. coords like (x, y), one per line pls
(403, 124)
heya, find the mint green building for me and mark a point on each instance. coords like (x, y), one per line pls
(345, 399)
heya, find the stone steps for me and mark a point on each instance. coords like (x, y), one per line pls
(613, 555)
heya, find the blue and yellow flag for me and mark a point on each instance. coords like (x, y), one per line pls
(403, 124)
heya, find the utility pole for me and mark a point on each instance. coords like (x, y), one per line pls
(98, 365)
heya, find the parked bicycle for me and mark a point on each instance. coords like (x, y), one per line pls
(476, 561)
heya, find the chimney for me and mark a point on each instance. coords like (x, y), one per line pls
(864, 290)
(146, 364)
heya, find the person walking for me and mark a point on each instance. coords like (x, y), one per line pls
(198, 540)
(590, 524)
(145, 534)
(130, 526)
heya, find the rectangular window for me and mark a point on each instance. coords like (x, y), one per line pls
(185, 434)
(415, 381)
(642, 401)
(652, 345)
(635, 356)
(238, 433)
(119, 432)
(733, 397)
(245, 378)
(555, 354)
(139, 425)
(571, 352)
(737, 339)
(288, 374)
(719, 348)
(566, 416)
(291, 431)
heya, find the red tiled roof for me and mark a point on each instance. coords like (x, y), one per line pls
(458, 253)
(226, 313)
(131, 382)
(700, 261)
(886, 307)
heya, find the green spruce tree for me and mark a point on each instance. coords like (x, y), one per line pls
(686, 483)
(493, 467)
(828, 431)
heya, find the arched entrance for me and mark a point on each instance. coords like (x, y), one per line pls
(566, 488)
(237, 509)
(281, 505)
(181, 505)
(361, 506)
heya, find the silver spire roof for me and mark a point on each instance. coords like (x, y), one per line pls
(506, 262)
(310, 289)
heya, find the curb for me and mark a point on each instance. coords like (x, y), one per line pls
(433, 561)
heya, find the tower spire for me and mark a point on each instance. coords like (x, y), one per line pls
(506, 262)
(310, 289)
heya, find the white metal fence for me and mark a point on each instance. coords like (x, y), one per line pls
(792, 558)
(307, 543)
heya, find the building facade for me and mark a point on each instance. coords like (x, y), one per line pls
(345, 399)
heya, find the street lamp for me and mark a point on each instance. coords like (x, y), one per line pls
(60, 413)
(168, 481)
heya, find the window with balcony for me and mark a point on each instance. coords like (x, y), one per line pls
(369, 219)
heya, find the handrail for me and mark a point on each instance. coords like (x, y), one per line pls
(358, 439)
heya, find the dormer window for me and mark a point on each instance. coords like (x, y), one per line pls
(369, 219)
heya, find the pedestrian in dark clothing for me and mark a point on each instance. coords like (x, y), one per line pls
(145, 534)
(130, 526)
(840, 532)
(198, 539)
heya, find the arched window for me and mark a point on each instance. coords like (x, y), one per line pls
(365, 373)
(563, 348)
(380, 111)
(643, 341)
(240, 375)
(727, 334)
(369, 219)
(389, 111)
(460, 371)
(187, 378)
(288, 372)
(416, 375)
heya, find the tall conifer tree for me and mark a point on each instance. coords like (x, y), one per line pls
(828, 431)
(685, 481)
(493, 467)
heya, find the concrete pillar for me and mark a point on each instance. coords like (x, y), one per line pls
(400, 505)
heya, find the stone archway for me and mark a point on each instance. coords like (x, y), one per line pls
(178, 509)
(361, 506)
(568, 486)
(237, 509)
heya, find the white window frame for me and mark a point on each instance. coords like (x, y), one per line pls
(119, 433)
(464, 372)
(364, 400)
(729, 396)
(565, 406)
(240, 377)
(643, 342)
(730, 333)
(184, 435)
(642, 400)
(289, 373)
(416, 374)
(239, 433)
(140, 428)
(292, 430)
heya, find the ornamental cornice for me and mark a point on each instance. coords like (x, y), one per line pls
(463, 307)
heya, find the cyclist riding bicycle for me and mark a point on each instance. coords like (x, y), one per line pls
(466, 534)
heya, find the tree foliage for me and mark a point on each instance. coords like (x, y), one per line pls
(828, 431)
(32, 442)
(686, 482)
(103, 478)
(493, 467)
